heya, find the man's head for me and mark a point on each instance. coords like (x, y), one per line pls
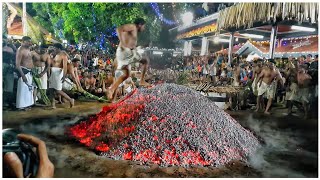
(272, 63)
(75, 62)
(309, 56)
(26, 41)
(57, 48)
(140, 23)
(43, 48)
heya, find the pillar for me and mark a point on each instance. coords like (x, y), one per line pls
(189, 47)
(231, 42)
(273, 38)
(185, 48)
(24, 18)
(204, 46)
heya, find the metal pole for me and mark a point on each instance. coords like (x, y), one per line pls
(273, 38)
(24, 18)
(231, 42)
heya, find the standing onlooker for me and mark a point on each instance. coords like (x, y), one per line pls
(24, 65)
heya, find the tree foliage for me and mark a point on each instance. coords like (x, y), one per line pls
(88, 21)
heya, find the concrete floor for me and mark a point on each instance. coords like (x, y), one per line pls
(290, 146)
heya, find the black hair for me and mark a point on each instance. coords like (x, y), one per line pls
(139, 21)
(75, 60)
(26, 38)
(43, 46)
(272, 61)
(58, 45)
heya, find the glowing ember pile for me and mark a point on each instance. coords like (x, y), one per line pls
(167, 125)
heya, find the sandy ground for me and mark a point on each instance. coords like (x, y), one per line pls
(74, 160)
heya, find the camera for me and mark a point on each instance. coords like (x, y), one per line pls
(29, 159)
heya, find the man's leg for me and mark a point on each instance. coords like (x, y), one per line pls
(145, 63)
(290, 105)
(111, 91)
(53, 101)
(268, 106)
(64, 95)
(35, 90)
(305, 108)
(258, 103)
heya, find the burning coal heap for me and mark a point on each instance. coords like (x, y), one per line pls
(167, 125)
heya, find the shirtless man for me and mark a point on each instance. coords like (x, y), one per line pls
(24, 66)
(58, 73)
(127, 54)
(302, 92)
(41, 61)
(90, 82)
(292, 84)
(72, 70)
(267, 81)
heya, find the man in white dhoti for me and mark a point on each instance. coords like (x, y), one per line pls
(127, 54)
(24, 66)
(267, 84)
(58, 73)
(41, 62)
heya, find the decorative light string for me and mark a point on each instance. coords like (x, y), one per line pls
(155, 8)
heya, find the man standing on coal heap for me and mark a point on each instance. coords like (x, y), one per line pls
(127, 54)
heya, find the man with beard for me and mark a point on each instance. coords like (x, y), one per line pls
(267, 82)
(127, 54)
(58, 73)
(24, 67)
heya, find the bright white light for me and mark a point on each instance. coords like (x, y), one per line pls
(64, 41)
(187, 18)
(140, 51)
(237, 39)
(217, 40)
(300, 28)
(157, 52)
(253, 36)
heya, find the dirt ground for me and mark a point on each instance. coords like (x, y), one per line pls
(73, 160)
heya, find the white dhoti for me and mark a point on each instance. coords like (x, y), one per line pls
(292, 93)
(127, 56)
(67, 84)
(55, 81)
(25, 92)
(299, 94)
(43, 79)
(269, 91)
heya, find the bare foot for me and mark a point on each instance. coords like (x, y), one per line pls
(71, 103)
(53, 107)
(256, 110)
(266, 112)
(109, 94)
(144, 84)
